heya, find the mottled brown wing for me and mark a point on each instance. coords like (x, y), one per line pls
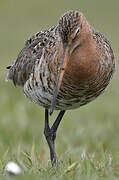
(24, 65)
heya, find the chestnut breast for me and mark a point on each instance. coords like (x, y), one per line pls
(83, 62)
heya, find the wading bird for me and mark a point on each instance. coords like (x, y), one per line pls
(63, 68)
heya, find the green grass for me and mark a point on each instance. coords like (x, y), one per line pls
(87, 141)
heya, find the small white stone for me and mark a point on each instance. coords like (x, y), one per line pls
(12, 168)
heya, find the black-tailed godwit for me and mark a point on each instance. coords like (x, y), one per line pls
(63, 68)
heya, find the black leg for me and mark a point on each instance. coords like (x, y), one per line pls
(50, 134)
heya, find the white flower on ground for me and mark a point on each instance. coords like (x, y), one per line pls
(12, 168)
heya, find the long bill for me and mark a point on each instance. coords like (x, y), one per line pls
(60, 75)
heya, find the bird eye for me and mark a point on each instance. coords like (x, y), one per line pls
(78, 31)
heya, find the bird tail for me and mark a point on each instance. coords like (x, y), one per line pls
(10, 73)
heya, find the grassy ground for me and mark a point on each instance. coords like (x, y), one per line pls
(87, 141)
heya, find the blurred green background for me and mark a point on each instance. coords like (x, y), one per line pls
(91, 128)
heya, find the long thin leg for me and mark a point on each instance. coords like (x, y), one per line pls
(50, 134)
(50, 137)
(57, 121)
